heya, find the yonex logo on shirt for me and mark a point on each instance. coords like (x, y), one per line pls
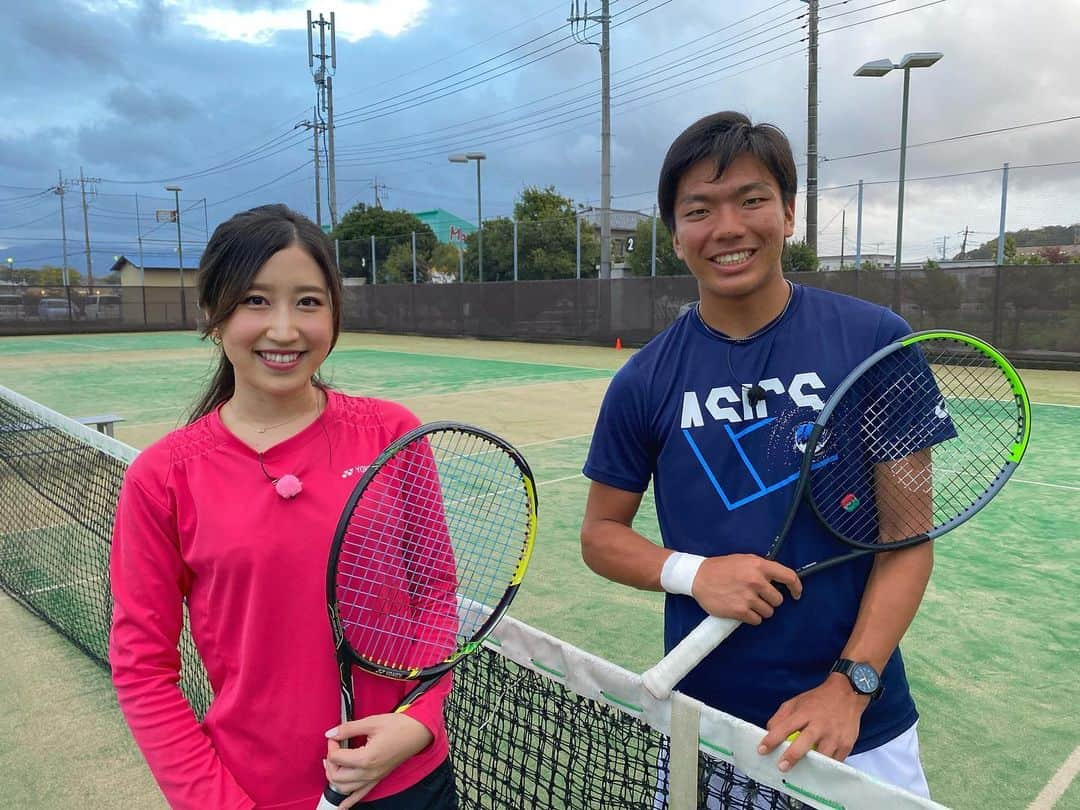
(351, 471)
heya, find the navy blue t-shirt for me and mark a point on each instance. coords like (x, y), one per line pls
(723, 472)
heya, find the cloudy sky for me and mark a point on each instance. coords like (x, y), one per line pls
(207, 94)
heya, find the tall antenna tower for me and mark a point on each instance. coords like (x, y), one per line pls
(324, 98)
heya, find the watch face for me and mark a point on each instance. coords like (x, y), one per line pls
(864, 678)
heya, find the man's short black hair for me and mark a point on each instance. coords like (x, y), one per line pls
(722, 137)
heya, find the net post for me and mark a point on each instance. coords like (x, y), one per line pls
(683, 759)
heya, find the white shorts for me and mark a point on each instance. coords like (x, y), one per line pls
(895, 762)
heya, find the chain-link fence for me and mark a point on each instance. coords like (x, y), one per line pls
(1032, 312)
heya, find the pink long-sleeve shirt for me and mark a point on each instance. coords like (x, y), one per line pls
(198, 520)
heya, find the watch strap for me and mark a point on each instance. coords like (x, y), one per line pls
(845, 666)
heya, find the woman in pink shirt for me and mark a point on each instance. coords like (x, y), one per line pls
(232, 515)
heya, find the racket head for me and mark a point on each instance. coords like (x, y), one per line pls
(920, 437)
(430, 549)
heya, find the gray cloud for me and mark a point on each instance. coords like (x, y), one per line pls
(136, 95)
(146, 107)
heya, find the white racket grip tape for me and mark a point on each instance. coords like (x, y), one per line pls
(660, 679)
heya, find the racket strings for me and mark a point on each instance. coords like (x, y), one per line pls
(430, 549)
(918, 440)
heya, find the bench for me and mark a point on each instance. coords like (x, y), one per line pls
(103, 422)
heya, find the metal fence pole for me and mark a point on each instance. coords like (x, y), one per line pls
(1001, 222)
(858, 231)
(515, 251)
(373, 273)
(652, 255)
(577, 241)
(414, 257)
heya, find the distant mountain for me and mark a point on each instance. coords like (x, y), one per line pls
(1046, 236)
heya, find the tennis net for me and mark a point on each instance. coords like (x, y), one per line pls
(534, 723)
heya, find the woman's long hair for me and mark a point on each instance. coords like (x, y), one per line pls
(233, 257)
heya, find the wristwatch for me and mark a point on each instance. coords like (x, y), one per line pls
(863, 677)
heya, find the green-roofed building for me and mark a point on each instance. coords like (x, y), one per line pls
(449, 228)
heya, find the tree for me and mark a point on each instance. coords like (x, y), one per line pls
(639, 260)
(445, 261)
(46, 276)
(391, 230)
(546, 241)
(798, 256)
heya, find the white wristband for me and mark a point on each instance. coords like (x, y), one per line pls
(677, 575)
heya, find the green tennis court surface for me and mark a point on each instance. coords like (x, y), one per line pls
(991, 655)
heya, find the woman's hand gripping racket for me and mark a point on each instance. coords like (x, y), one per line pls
(428, 554)
(916, 440)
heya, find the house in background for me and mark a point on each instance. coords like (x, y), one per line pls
(131, 275)
(449, 228)
(623, 225)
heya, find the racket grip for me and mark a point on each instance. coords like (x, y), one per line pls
(661, 678)
(331, 799)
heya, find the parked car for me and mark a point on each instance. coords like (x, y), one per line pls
(102, 307)
(54, 309)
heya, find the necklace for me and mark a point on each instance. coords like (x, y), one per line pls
(288, 486)
(755, 333)
(293, 418)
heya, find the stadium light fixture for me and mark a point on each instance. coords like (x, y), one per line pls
(877, 69)
(465, 158)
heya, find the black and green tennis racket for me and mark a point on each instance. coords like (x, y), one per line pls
(427, 556)
(916, 439)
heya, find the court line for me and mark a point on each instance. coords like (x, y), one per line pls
(555, 441)
(557, 480)
(485, 359)
(1058, 783)
(1069, 487)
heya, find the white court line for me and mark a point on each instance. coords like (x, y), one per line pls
(1058, 783)
(487, 359)
(50, 588)
(557, 480)
(555, 441)
(1045, 484)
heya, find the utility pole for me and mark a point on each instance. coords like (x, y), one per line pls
(963, 245)
(811, 128)
(324, 92)
(59, 191)
(315, 126)
(944, 243)
(86, 223)
(376, 185)
(579, 21)
(843, 234)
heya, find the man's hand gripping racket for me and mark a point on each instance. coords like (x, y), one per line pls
(427, 556)
(915, 440)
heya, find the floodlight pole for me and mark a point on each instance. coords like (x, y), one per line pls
(877, 69)
(465, 158)
(179, 254)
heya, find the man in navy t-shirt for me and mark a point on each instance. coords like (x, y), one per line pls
(714, 412)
